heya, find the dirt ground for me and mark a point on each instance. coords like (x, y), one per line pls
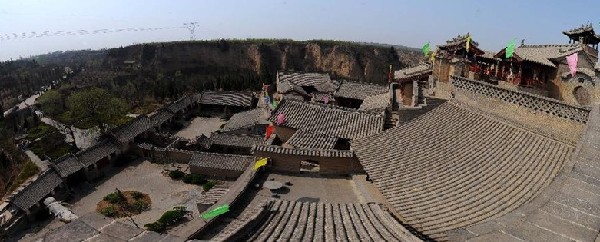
(199, 126)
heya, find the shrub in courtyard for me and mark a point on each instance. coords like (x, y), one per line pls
(169, 218)
(139, 206)
(176, 175)
(156, 227)
(109, 211)
(126, 203)
(137, 195)
(194, 179)
(172, 217)
(208, 185)
(114, 198)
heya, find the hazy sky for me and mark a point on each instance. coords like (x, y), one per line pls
(410, 23)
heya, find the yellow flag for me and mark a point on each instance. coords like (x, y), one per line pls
(432, 57)
(468, 41)
(260, 163)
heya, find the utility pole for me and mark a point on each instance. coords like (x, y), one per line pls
(191, 27)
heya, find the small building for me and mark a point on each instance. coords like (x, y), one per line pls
(351, 94)
(409, 82)
(453, 58)
(302, 86)
(226, 101)
(30, 198)
(234, 143)
(343, 123)
(98, 157)
(296, 160)
(248, 122)
(543, 69)
(220, 166)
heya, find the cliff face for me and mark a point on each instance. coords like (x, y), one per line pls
(341, 59)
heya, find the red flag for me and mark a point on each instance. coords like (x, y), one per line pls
(270, 130)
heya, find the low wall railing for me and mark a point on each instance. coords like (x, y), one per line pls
(531, 101)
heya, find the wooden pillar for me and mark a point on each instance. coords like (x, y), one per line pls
(520, 73)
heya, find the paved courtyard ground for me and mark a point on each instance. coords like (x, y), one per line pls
(315, 188)
(199, 126)
(144, 177)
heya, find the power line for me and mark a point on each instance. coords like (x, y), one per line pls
(47, 33)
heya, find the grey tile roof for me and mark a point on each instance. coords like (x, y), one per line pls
(246, 119)
(221, 161)
(409, 72)
(322, 82)
(129, 131)
(160, 117)
(226, 98)
(290, 96)
(306, 221)
(67, 165)
(180, 104)
(97, 152)
(320, 97)
(307, 140)
(458, 167)
(489, 55)
(287, 87)
(356, 90)
(543, 54)
(238, 140)
(328, 119)
(376, 103)
(581, 30)
(35, 191)
(459, 40)
(304, 152)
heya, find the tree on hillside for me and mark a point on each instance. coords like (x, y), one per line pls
(52, 103)
(96, 107)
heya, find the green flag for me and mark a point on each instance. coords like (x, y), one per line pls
(510, 49)
(215, 212)
(426, 49)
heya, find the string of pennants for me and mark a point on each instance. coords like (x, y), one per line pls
(33, 34)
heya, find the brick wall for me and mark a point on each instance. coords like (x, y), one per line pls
(328, 165)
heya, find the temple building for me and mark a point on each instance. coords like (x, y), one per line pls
(453, 58)
(544, 70)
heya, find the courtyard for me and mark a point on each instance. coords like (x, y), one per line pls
(200, 126)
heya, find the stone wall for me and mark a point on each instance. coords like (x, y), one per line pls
(215, 172)
(164, 155)
(530, 101)
(327, 165)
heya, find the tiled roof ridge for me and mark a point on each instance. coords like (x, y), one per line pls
(348, 153)
(583, 27)
(220, 154)
(331, 106)
(547, 45)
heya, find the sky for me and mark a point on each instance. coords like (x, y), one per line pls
(398, 22)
